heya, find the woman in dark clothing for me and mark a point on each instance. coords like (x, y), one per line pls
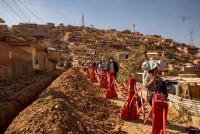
(113, 67)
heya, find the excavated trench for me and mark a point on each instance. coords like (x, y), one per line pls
(12, 105)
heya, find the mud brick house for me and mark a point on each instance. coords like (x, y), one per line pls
(196, 67)
(15, 60)
(3, 31)
(50, 25)
(3, 27)
(189, 68)
(195, 51)
(18, 59)
(42, 61)
(121, 56)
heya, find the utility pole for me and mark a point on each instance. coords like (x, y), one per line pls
(83, 20)
(134, 34)
(191, 37)
(134, 28)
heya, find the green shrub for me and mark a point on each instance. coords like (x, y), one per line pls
(133, 64)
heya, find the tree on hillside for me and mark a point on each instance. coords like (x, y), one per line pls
(133, 64)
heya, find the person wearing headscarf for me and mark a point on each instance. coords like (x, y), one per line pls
(152, 83)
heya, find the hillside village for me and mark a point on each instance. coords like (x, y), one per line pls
(46, 46)
(99, 67)
(44, 68)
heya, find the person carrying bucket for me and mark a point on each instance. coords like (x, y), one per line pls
(152, 81)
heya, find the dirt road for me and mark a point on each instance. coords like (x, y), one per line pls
(137, 127)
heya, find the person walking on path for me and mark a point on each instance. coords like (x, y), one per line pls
(104, 65)
(99, 66)
(113, 67)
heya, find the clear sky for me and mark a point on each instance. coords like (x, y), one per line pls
(170, 18)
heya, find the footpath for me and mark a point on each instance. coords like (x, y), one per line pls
(137, 126)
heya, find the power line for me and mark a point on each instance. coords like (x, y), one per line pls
(30, 11)
(3, 11)
(7, 11)
(31, 5)
(13, 10)
(20, 9)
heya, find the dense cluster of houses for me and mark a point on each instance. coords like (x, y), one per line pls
(20, 57)
(28, 47)
(192, 67)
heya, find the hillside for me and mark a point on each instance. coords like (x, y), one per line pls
(87, 42)
(118, 41)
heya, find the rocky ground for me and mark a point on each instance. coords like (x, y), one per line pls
(71, 104)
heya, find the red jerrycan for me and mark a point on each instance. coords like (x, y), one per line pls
(111, 90)
(93, 78)
(129, 110)
(159, 117)
(102, 78)
(105, 78)
(133, 114)
(134, 109)
(124, 115)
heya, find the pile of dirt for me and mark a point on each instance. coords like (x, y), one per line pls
(71, 104)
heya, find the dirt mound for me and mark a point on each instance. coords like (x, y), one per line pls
(71, 104)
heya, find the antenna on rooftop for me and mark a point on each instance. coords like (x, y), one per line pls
(83, 20)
